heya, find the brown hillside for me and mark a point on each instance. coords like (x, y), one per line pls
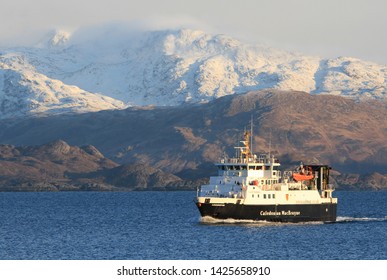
(185, 140)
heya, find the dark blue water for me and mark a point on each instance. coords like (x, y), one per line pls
(166, 225)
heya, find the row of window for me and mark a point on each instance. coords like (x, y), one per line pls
(265, 182)
(266, 196)
(244, 167)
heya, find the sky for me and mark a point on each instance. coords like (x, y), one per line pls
(326, 28)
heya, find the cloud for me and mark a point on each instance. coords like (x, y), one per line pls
(118, 33)
(325, 28)
(159, 22)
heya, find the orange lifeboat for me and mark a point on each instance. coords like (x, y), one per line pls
(303, 174)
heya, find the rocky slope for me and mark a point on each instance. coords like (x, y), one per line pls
(374, 181)
(112, 69)
(57, 166)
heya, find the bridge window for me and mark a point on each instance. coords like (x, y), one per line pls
(264, 196)
(253, 167)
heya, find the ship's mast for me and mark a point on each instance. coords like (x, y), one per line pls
(270, 145)
(246, 152)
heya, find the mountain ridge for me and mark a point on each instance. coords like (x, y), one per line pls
(169, 67)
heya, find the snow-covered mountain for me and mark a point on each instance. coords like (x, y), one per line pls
(112, 68)
(25, 91)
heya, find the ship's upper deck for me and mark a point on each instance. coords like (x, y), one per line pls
(263, 159)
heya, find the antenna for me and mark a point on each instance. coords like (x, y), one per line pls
(251, 135)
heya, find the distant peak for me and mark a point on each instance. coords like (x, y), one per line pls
(91, 150)
(60, 38)
(59, 145)
(56, 38)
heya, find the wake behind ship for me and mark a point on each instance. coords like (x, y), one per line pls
(251, 187)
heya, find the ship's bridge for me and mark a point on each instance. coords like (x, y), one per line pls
(261, 166)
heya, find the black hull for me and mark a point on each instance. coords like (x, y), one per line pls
(273, 213)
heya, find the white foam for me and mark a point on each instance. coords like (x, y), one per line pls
(360, 219)
(213, 221)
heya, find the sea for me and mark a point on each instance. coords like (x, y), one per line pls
(167, 226)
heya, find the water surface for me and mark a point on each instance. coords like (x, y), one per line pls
(166, 225)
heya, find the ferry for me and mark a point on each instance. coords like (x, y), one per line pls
(251, 187)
